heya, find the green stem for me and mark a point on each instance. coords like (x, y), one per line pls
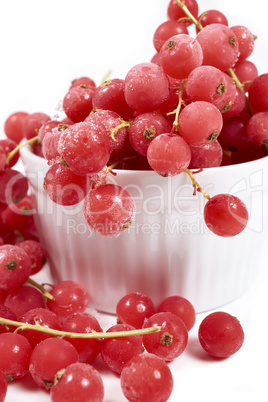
(235, 79)
(37, 327)
(178, 108)
(196, 184)
(113, 131)
(31, 141)
(189, 14)
(40, 287)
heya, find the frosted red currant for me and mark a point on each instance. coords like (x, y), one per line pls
(79, 382)
(84, 148)
(109, 209)
(225, 215)
(146, 378)
(146, 87)
(169, 154)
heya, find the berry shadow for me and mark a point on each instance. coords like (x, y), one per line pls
(27, 384)
(195, 350)
(101, 367)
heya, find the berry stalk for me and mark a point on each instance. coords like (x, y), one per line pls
(37, 327)
(31, 141)
(113, 131)
(40, 287)
(189, 14)
(196, 185)
(178, 108)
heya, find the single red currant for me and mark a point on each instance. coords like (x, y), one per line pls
(146, 378)
(79, 382)
(134, 308)
(225, 215)
(220, 334)
(171, 340)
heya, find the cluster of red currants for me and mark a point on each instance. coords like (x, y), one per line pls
(199, 103)
(52, 336)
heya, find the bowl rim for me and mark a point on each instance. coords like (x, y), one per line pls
(26, 151)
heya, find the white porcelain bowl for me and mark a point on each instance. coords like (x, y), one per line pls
(168, 250)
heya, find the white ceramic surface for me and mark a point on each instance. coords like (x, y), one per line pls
(168, 249)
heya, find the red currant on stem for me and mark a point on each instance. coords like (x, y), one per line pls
(116, 352)
(172, 339)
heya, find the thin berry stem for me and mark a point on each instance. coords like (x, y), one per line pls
(196, 185)
(114, 131)
(40, 287)
(189, 14)
(106, 77)
(122, 161)
(37, 327)
(235, 79)
(178, 108)
(31, 141)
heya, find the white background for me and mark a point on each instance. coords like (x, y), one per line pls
(43, 47)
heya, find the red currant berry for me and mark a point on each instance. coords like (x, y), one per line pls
(43, 317)
(171, 340)
(48, 357)
(181, 307)
(36, 253)
(109, 209)
(134, 308)
(13, 126)
(169, 154)
(6, 312)
(146, 378)
(25, 298)
(15, 267)
(32, 123)
(88, 349)
(77, 103)
(146, 87)
(79, 382)
(9, 145)
(13, 186)
(86, 81)
(15, 352)
(203, 115)
(225, 215)
(65, 187)
(220, 334)
(205, 156)
(175, 12)
(116, 352)
(85, 148)
(166, 30)
(220, 46)
(69, 297)
(180, 55)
